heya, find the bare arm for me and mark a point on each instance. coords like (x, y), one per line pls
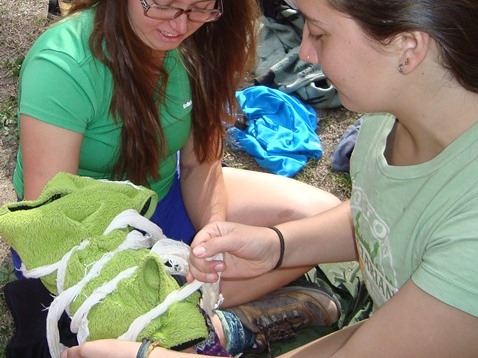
(46, 150)
(326, 237)
(115, 348)
(412, 324)
(251, 251)
(202, 187)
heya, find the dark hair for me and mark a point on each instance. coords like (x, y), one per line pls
(451, 23)
(217, 57)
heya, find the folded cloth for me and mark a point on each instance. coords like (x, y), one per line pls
(279, 65)
(343, 151)
(281, 131)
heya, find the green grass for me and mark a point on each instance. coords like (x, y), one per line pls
(8, 120)
(8, 108)
(14, 66)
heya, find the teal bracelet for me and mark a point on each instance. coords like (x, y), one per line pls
(146, 348)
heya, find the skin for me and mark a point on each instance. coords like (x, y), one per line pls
(169, 34)
(210, 192)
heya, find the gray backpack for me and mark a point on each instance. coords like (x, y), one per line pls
(279, 65)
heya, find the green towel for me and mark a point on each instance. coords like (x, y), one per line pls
(135, 295)
(66, 225)
(69, 209)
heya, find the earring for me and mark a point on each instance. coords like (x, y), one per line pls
(308, 58)
(401, 66)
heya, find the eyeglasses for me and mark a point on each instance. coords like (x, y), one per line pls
(160, 12)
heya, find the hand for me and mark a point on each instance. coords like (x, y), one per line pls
(104, 348)
(249, 251)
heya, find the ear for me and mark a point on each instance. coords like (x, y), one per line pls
(412, 49)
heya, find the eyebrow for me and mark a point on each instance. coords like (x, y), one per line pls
(194, 3)
(200, 1)
(311, 19)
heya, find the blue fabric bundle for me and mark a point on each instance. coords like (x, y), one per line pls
(280, 134)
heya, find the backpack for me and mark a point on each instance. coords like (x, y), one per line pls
(279, 65)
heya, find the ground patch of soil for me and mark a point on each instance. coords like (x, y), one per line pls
(20, 24)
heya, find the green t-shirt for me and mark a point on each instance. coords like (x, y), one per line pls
(418, 221)
(61, 83)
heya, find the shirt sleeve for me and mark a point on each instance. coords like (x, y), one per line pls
(55, 90)
(448, 269)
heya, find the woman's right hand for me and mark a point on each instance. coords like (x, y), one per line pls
(248, 251)
(116, 348)
(105, 348)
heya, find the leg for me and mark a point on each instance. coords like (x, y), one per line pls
(278, 316)
(256, 198)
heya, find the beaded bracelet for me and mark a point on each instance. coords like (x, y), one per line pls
(146, 348)
(282, 246)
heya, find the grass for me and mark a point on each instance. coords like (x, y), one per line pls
(14, 66)
(8, 120)
(8, 107)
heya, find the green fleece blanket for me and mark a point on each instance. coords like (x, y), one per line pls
(92, 245)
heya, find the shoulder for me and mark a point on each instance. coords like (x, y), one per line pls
(68, 38)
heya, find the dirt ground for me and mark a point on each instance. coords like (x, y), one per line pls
(20, 24)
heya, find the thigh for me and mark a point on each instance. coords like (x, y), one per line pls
(258, 198)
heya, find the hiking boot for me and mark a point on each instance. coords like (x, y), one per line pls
(280, 314)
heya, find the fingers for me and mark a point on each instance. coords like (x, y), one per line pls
(214, 239)
(70, 353)
(245, 250)
(203, 268)
(104, 348)
(206, 261)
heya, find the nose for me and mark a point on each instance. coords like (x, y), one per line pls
(306, 54)
(180, 24)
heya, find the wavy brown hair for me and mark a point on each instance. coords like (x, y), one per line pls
(217, 58)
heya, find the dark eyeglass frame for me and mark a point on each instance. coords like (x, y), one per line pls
(218, 10)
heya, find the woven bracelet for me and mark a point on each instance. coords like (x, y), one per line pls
(146, 348)
(282, 246)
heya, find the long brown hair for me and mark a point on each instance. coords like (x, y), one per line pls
(217, 58)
